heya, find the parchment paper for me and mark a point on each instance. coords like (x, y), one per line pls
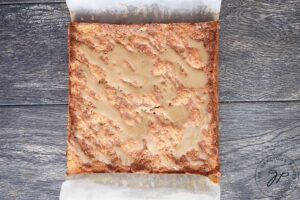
(144, 11)
(139, 187)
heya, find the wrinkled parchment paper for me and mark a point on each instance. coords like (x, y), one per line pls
(144, 11)
(139, 187)
(112, 186)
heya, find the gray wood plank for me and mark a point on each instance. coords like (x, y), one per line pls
(29, 1)
(260, 45)
(32, 152)
(249, 133)
(33, 54)
(32, 143)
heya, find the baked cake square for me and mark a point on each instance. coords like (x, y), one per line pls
(143, 98)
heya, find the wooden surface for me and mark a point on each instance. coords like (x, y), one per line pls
(259, 91)
(9, 2)
(33, 54)
(260, 43)
(33, 143)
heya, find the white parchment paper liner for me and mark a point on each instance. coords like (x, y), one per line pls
(144, 11)
(112, 186)
(139, 187)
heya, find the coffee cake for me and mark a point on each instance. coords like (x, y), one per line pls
(143, 98)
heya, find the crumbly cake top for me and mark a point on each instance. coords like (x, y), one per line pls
(143, 98)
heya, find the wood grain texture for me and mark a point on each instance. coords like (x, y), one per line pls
(249, 133)
(260, 44)
(3, 2)
(33, 54)
(32, 143)
(32, 152)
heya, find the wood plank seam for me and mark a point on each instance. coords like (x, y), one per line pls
(221, 102)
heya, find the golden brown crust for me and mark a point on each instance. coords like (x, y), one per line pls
(120, 122)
